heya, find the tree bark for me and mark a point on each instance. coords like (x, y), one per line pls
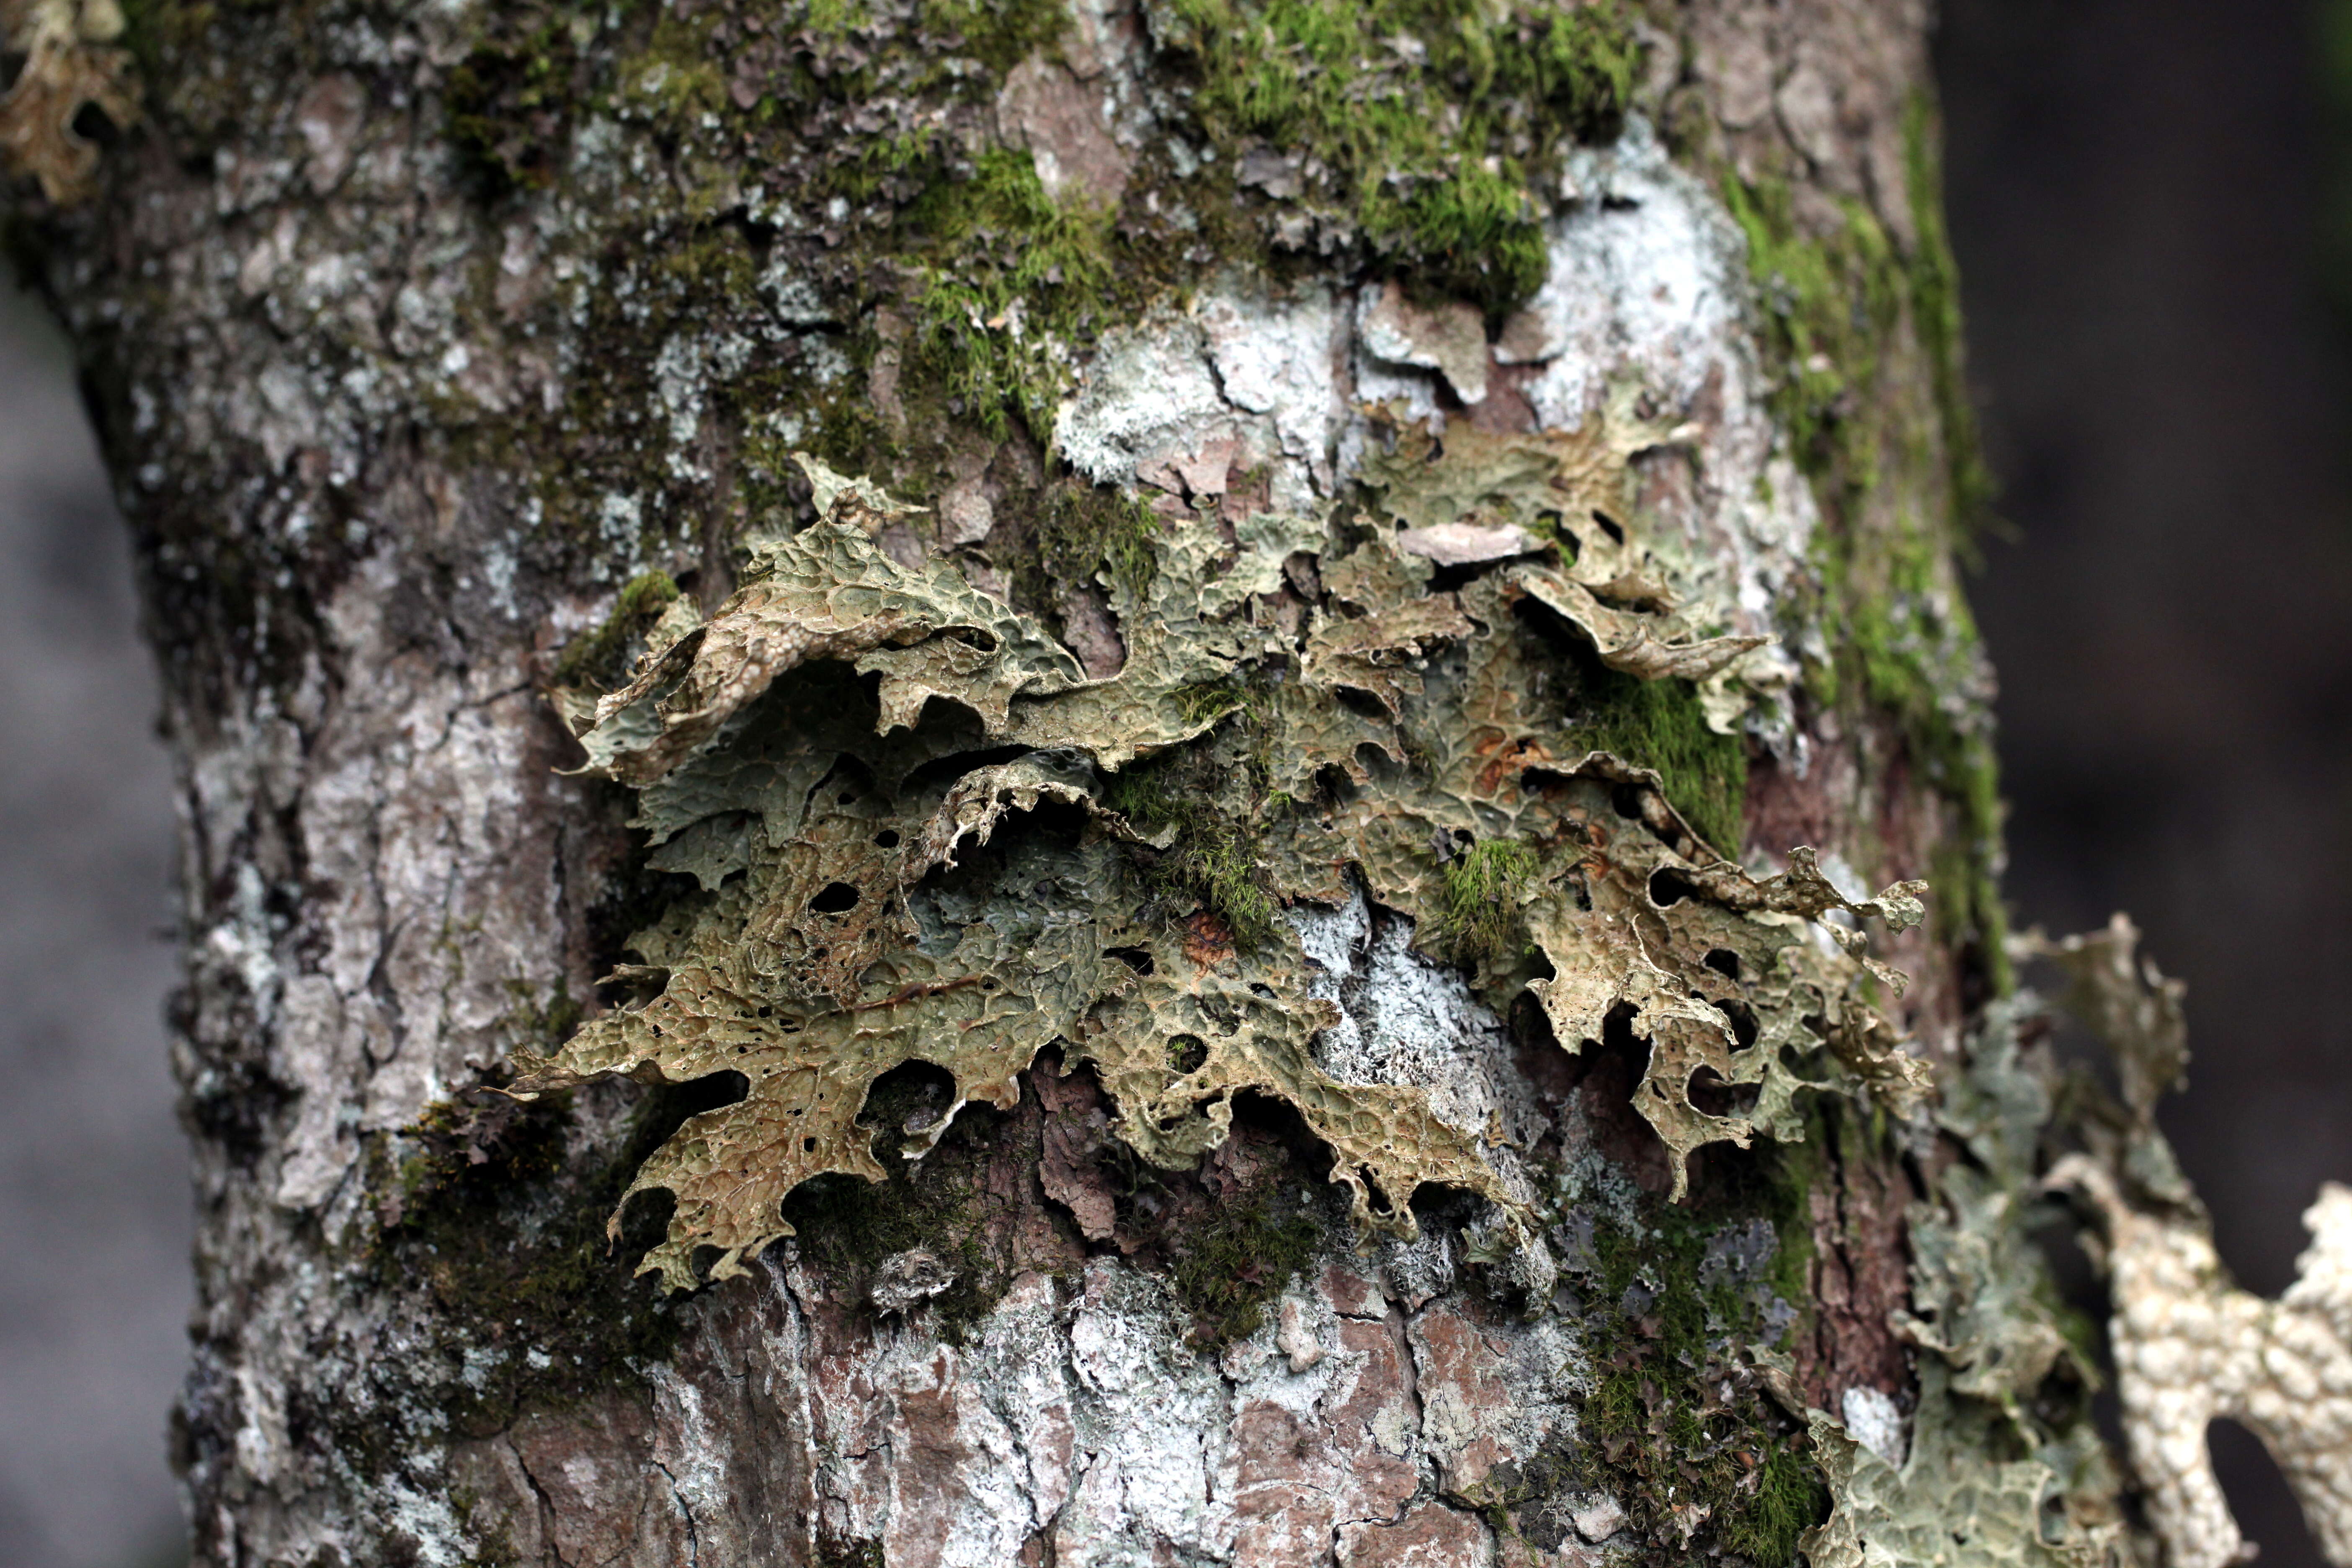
(451, 362)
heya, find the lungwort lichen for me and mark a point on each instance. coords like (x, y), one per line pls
(896, 795)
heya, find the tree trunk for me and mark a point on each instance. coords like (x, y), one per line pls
(1365, 506)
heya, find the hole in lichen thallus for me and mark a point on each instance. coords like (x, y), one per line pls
(93, 125)
(1187, 1053)
(909, 1098)
(2265, 1508)
(1669, 887)
(834, 898)
(1606, 1075)
(1723, 962)
(1713, 1096)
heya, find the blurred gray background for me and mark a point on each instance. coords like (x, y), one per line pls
(94, 1215)
(2138, 191)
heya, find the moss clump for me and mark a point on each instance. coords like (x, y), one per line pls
(1908, 660)
(935, 54)
(1428, 122)
(1228, 1270)
(600, 658)
(503, 1224)
(512, 99)
(941, 1203)
(1082, 529)
(1830, 304)
(1482, 898)
(1671, 1308)
(1213, 858)
(844, 1551)
(1659, 725)
(1935, 277)
(1903, 483)
(1013, 280)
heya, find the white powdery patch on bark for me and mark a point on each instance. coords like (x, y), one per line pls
(1248, 377)
(419, 928)
(1649, 283)
(1405, 1020)
(1647, 292)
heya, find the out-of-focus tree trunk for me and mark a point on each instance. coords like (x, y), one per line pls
(451, 359)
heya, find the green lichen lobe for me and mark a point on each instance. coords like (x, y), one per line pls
(600, 658)
(923, 834)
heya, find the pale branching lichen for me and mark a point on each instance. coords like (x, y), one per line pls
(72, 64)
(902, 802)
(2002, 1467)
(2190, 1346)
(1946, 1503)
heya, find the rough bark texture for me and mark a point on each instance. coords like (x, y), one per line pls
(421, 341)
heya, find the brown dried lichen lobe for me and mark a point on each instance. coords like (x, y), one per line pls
(71, 63)
(890, 878)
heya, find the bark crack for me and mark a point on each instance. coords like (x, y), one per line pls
(546, 1507)
(686, 1513)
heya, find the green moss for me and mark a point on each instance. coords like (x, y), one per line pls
(937, 52)
(1901, 484)
(158, 33)
(1081, 531)
(600, 657)
(1935, 313)
(941, 1204)
(1831, 303)
(1228, 1270)
(494, 1217)
(999, 33)
(1481, 888)
(1214, 859)
(1788, 1500)
(1903, 652)
(512, 99)
(1660, 724)
(494, 1545)
(1664, 1328)
(673, 77)
(1427, 120)
(1013, 280)
(837, 1551)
